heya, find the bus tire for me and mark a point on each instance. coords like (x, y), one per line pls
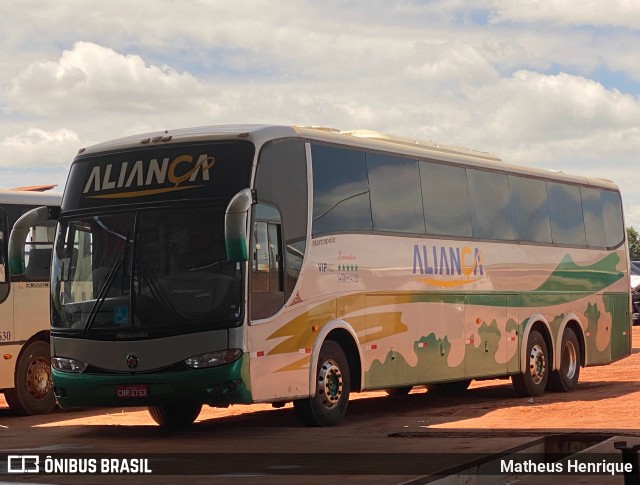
(533, 380)
(398, 391)
(329, 404)
(566, 378)
(449, 388)
(175, 415)
(33, 391)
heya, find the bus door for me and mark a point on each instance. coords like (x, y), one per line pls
(31, 291)
(267, 283)
(7, 333)
(4, 271)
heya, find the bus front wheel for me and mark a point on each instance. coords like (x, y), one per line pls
(33, 391)
(328, 405)
(533, 380)
(175, 415)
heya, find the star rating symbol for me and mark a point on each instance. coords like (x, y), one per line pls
(348, 267)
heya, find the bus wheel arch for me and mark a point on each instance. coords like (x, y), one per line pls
(536, 361)
(334, 367)
(572, 323)
(346, 340)
(33, 391)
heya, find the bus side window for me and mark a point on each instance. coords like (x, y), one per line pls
(281, 181)
(275, 258)
(260, 260)
(38, 246)
(3, 278)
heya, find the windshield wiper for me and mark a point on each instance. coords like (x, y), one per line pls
(102, 295)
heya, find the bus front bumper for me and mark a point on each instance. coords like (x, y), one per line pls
(217, 386)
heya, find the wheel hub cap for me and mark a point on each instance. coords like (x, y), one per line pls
(570, 360)
(39, 378)
(537, 364)
(330, 384)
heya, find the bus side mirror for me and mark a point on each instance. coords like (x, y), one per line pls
(236, 220)
(19, 235)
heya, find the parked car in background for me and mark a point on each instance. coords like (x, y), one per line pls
(635, 290)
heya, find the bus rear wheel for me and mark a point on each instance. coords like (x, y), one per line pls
(33, 391)
(175, 415)
(533, 380)
(566, 378)
(328, 405)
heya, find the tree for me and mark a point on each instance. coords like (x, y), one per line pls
(634, 244)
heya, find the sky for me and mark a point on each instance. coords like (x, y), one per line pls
(551, 84)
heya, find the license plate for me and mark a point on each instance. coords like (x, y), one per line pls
(132, 391)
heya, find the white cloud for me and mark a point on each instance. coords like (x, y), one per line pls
(39, 148)
(36, 156)
(94, 78)
(532, 107)
(623, 13)
(432, 70)
(444, 62)
(632, 214)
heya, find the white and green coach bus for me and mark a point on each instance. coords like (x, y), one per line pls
(25, 367)
(271, 264)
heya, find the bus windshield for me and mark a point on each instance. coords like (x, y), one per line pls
(146, 272)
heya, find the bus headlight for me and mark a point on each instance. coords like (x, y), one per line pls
(211, 359)
(68, 365)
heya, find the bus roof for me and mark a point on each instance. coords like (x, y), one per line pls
(29, 197)
(35, 188)
(260, 134)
